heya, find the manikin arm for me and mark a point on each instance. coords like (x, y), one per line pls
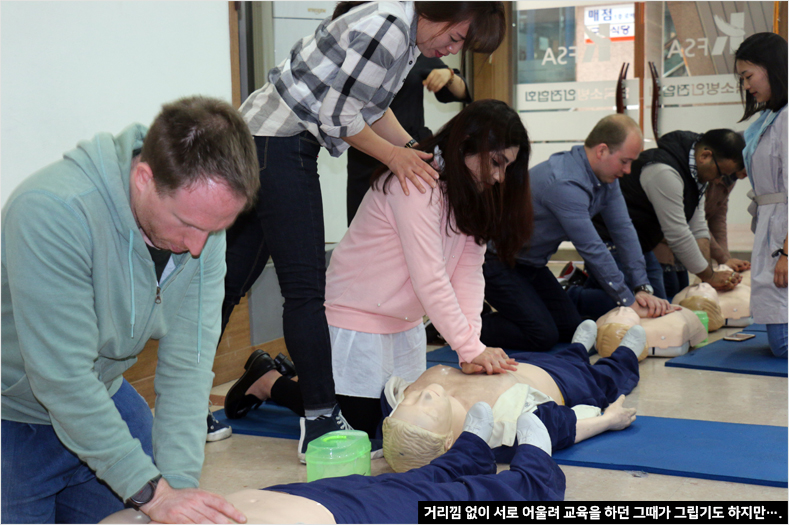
(615, 417)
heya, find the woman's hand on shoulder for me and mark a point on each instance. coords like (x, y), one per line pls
(407, 163)
(490, 361)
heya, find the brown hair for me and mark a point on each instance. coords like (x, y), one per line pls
(485, 33)
(503, 212)
(197, 139)
(611, 131)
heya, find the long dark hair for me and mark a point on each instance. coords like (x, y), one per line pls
(485, 33)
(767, 50)
(501, 213)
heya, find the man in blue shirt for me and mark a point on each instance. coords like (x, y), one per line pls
(532, 310)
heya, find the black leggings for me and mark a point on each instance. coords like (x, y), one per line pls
(362, 413)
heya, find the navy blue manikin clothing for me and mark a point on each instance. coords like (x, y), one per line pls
(467, 472)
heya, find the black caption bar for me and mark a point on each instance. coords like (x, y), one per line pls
(774, 512)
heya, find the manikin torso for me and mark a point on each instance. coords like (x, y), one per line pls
(464, 390)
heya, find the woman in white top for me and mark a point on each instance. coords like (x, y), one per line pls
(760, 63)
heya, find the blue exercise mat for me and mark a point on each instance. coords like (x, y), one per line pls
(755, 328)
(743, 357)
(446, 356)
(753, 454)
(270, 420)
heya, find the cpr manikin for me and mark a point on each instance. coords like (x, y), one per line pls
(467, 473)
(731, 308)
(668, 336)
(428, 414)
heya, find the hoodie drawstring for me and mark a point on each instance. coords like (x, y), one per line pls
(131, 281)
(200, 311)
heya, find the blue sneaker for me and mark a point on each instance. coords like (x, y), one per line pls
(217, 431)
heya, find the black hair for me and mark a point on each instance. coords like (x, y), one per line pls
(501, 213)
(767, 50)
(724, 144)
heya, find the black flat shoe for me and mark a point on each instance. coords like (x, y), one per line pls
(237, 402)
(285, 366)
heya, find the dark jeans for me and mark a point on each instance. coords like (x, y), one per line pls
(533, 312)
(655, 275)
(593, 302)
(360, 169)
(675, 279)
(44, 482)
(287, 224)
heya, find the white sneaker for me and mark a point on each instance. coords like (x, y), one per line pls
(635, 339)
(586, 334)
(532, 431)
(479, 421)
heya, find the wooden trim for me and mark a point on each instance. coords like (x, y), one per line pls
(639, 58)
(235, 64)
(231, 355)
(780, 18)
(493, 75)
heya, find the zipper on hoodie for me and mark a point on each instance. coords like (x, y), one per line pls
(158, 299)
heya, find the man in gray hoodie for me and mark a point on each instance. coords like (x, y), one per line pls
(119, 242)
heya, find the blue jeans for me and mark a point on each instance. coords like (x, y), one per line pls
(533, 312)
(675, 279)
(287, 224)
(592, 301)
(44, 482)
(777, 337)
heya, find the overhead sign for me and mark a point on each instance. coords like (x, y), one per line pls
(621, 19)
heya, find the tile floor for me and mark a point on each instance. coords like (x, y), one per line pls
(242, 462)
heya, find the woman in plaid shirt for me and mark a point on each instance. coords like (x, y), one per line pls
(334, 91)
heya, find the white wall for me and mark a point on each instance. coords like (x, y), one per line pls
(71, 69)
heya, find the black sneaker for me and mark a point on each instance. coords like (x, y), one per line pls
(315, 428)
(217, 431)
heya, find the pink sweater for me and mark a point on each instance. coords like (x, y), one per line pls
(397, 263)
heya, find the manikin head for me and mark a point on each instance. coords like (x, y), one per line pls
(419, 429)
(702, 297)
(671, 330)
(612, 327)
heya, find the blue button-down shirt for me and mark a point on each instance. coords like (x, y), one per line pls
(566, 195)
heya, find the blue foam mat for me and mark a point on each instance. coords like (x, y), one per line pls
(755, 328)
(675, 447)
(743, 357)
(753, 454)
(269, 420)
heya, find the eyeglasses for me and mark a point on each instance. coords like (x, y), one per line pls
(727, 178)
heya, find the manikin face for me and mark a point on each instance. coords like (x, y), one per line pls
(499, 162)
(615, 165)
(429, 409)
(754, 80)
(181, 222)
(439, 39)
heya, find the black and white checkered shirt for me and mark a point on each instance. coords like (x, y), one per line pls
(343, 76)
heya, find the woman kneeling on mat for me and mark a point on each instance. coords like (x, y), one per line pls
(407, 256)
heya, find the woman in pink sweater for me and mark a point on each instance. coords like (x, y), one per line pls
(406, 256)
